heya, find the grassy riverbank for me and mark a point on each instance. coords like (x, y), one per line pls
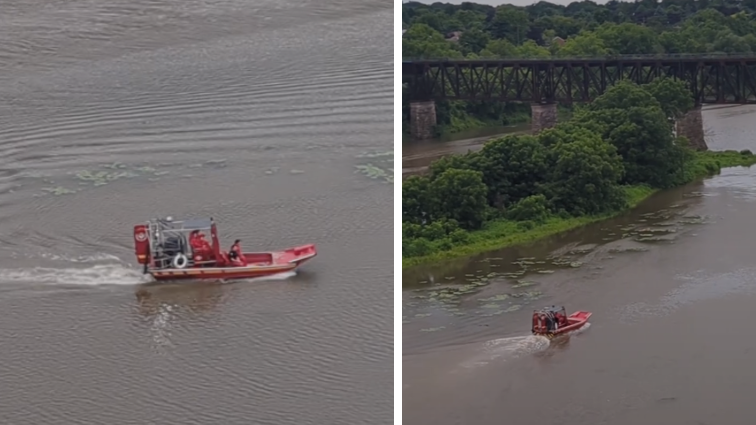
(499, 234)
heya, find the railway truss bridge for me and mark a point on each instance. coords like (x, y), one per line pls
(712, 79)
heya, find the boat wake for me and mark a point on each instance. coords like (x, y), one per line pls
(94, 270)
(579, 330)
(96, 275)
(279, 276)
(503, 349)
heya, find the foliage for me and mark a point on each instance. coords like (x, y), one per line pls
(416, 200)
(631, 119)
(585, 29)
(683, 26)
(614, 151)
(583, 174)
(672, 95)
(611, 154)
(459, 195)
(512, 168)
(534, 208)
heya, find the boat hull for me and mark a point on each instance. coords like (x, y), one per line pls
(576, 321)
(275, 263)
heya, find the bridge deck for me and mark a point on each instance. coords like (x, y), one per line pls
(723, 79)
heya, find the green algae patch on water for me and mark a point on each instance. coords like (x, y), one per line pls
(523, 284)
(59, 190)
(106, 174)
(495, 298)
(376, 165)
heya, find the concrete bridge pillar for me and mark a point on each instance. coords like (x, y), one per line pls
(422, 119)
(544, 115)
(691, 127)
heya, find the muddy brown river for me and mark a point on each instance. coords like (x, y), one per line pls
(672, 288)
(270, 116)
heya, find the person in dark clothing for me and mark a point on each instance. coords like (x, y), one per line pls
(235, 254)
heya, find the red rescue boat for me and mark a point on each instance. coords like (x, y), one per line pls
(553, 321)
(172, 250)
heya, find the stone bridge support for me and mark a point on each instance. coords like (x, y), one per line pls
(422, 119)
(691, 127)
(543, 116)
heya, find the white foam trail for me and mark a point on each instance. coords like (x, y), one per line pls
(101, 274)
(98, 275)
(580, 329)
(278, 276)
(509, 348)
(83, 259)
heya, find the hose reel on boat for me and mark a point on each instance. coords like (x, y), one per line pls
(180, 261)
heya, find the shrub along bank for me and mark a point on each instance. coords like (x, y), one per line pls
(611, 155)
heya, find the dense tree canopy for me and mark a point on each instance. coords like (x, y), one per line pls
(583, 28)
(581, 167)
(587, 28)
(578, 168)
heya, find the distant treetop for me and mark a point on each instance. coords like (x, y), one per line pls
(581, 28)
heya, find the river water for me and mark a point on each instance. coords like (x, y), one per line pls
(672, 286)
(255, 113)
(417, 155)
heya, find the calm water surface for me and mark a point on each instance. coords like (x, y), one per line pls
(672, 287)
(417, 155)
(255, 113)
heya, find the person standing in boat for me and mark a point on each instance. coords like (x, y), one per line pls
(200, 247)
(235, 254)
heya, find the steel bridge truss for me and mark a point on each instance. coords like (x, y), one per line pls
(721, 80)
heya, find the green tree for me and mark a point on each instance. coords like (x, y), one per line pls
(510, 23)
(530, 49)
(584, 172)
(631, 119)
(562, 26)
(416, 201)
(534, 208)
(473, 41)
(422, 41)
(499, 49)
(677, 42)
(460, 195)
(471, 19)
(629, 39)
(727, 42)
(439, 21)
(673, 96)
(623, 95)
(512, 168)
(583, 45)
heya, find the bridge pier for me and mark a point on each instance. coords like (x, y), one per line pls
(543, 116)
(422, 119)
(691, 127)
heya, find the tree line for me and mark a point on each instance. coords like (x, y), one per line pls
(580, 29)
(579, 168)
